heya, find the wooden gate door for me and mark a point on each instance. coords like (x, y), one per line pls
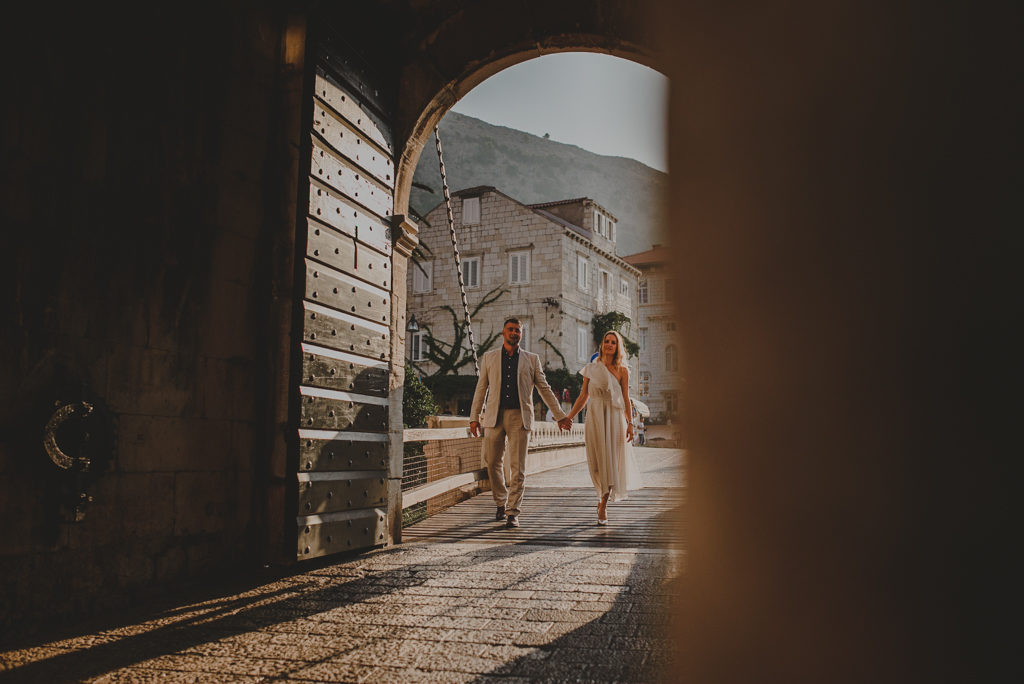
(343, 476)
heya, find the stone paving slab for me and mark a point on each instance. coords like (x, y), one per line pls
(503, 610)
(314, 627)
(562, 516)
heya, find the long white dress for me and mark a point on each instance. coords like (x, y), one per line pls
(610, 457)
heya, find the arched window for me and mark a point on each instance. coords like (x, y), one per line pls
(671, 358)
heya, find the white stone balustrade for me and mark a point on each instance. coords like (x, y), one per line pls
(547, 434)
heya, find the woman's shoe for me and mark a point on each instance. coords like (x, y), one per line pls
(602, 510)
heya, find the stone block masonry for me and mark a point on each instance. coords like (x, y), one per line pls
(153, 303)
(550, 302)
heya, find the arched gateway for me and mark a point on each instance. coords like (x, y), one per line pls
(370, 108)
(205, 299)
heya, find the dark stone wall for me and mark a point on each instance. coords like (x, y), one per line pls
(145, 236)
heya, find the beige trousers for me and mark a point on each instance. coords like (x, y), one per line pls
(507, 494)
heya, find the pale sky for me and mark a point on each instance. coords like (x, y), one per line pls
(603, 104)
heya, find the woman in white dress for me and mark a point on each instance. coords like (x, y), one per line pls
(609, 429)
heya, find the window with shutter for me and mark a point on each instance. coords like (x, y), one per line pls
(423, 276)
(471, 271)
(471, 211)
(417, 345)
(671, 358)
(519, 267)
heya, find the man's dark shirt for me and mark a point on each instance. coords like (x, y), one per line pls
(509, 379)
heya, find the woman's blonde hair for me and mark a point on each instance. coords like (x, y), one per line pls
(620, 349)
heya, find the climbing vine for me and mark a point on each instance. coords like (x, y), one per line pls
(449, 357)
(555, 349)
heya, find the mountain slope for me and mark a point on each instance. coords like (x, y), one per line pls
(532, 169)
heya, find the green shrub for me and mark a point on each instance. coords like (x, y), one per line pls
(451, 385)
(562, 378)
(417, 401)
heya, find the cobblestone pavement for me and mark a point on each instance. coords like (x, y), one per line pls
(418, 612)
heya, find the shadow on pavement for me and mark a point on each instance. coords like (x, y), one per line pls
(313, 592)
(631, 642)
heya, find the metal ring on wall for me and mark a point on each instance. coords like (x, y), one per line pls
(56, 454)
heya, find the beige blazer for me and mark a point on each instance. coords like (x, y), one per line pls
(530, 375)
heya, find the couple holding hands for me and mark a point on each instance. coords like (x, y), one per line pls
(504, 392)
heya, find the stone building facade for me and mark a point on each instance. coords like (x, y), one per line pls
(659, 377)
(553, 264)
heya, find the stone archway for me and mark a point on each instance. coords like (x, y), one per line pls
(368, 113)
(432, 93)
(446, 67)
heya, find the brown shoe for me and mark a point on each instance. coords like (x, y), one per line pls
(512, 521)
(499, 515)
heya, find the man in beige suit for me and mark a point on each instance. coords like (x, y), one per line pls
(510, 373)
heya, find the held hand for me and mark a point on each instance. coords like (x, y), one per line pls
(565, 423)
(474, 428)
